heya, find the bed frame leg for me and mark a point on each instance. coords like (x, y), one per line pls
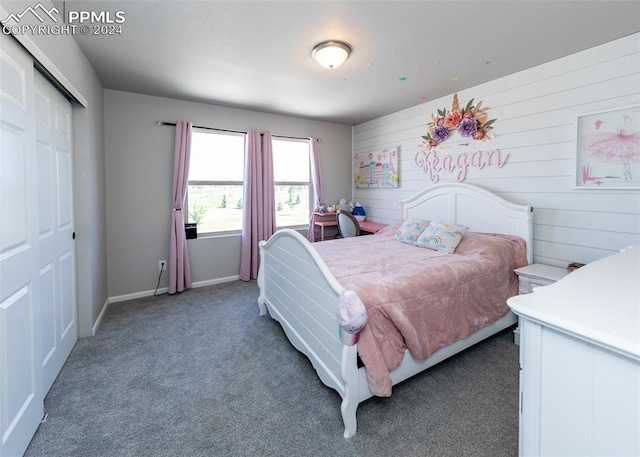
(261, 306)
(261, 302)
(350, 402)
(348, 409)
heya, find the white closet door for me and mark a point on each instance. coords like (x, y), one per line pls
(21, 394)
(38, 312)
(55, 228)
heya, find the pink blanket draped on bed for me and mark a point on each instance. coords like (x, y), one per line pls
(419, 299)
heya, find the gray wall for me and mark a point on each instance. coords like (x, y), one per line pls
(536, 112)
(61, 56)
(139, 166)
(90, 206)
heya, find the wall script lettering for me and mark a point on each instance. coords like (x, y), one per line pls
(432, 165)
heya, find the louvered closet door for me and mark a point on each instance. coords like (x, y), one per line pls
(21, 394)
(55, 228)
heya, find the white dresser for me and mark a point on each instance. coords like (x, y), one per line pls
(580, 362)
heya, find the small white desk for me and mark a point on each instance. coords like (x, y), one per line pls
(538, 274)
(535, 275)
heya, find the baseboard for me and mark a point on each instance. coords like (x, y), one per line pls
(96, 324)
(211, 282)
(164, 290)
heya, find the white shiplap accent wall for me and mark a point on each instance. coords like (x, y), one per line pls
(536, 112)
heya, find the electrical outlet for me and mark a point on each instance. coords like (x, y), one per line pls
(162, 265)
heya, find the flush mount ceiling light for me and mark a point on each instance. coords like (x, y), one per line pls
(331, 54)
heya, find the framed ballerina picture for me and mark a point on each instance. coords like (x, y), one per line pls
(608, 149)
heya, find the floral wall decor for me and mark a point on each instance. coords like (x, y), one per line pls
(472, 122)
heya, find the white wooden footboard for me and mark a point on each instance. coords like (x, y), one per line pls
(300, 292)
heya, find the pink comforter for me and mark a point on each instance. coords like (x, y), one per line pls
(419, 299)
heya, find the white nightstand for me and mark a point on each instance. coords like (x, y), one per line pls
(534, 275)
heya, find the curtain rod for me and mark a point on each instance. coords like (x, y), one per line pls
(161, 123)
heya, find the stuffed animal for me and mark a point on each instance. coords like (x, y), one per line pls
(344, 206)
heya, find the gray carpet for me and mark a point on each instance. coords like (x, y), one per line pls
(202, 374)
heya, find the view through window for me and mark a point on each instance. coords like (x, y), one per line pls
(215, 187)
(291, 173)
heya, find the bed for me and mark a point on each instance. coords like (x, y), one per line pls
(300, 284)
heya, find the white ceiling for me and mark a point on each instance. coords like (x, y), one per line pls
(256, 55)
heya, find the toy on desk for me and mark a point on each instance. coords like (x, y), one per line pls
(344, 206)
(358, 212)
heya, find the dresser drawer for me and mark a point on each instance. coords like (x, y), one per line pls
(526, 285)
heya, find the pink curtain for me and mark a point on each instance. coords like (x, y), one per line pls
(316, 178)
(179, 270)
(259, 208)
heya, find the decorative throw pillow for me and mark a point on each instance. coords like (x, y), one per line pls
(442, 236)
(410, 230)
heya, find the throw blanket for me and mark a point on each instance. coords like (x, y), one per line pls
(419, 299)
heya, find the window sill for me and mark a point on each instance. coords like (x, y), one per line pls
(208, 236)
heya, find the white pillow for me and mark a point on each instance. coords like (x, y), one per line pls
(442, 236)
(410, 230)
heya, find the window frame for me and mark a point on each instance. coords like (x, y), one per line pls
(297, 183)
(190, 182)
(309, 184)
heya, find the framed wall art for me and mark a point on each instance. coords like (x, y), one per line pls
(376, 169)
(608, 149)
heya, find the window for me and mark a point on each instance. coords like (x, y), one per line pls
(216, 173)
(292, 178)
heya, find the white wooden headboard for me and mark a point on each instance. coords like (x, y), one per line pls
(473, 206)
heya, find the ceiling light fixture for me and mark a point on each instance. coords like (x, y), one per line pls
(331, 54)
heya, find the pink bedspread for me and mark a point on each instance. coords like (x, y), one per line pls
(419, 299)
